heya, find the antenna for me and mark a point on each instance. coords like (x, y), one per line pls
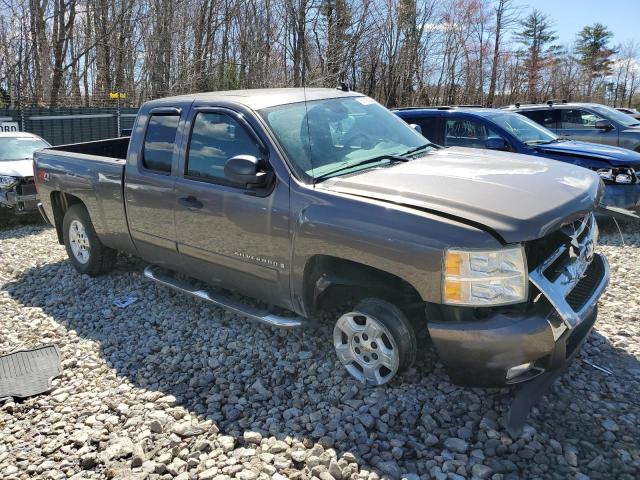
(342, 86)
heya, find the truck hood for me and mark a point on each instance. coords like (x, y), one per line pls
(513, 197)
(615, 156)
(17, 168)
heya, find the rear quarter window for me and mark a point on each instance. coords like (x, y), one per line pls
(159, 140)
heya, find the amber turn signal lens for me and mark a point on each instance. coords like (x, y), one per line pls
(453, 291)
(454, 261)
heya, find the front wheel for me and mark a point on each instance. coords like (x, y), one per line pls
(375, 341)
(86, 252)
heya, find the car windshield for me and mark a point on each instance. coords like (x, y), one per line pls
(613, 114)
(16, 148)
(525, 129)
(325, 136)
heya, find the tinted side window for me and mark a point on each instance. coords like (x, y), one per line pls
(216, 138)
(158, 142)
(546, 118)
(578, 118)
(466, 133)
(429, 127)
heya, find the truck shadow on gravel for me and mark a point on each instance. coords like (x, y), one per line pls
(16, 226)
(249, 377)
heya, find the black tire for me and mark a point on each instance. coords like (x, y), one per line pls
(397, 323)
(101, 259)
(375, 341)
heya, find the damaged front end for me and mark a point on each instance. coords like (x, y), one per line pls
(514, 344)
(18, 194)
(622, 187)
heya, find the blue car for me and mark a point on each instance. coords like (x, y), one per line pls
(496, 129)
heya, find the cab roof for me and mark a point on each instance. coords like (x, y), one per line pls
(257, 99)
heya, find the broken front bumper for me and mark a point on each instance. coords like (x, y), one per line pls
(20, 199)
(509, 346)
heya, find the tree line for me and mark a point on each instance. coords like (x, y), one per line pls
(401, 52)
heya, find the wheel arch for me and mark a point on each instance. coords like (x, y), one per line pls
(329, 281)
(60, 203)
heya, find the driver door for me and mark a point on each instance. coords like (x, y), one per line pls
(229, 235)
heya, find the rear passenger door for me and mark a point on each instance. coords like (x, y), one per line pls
(227, 234)
(149, 186)
(579, 124)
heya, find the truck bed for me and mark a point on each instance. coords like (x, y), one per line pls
(113, 148)
(92, 172)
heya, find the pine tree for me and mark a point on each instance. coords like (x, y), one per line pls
(594, 53)
(537, 36)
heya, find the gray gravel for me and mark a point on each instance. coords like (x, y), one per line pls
(173, 388)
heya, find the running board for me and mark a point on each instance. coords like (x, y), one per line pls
(164, 278)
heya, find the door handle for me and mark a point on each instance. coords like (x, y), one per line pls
(190, 202)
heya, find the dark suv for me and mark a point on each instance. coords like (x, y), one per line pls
(496, 129)
(591, 122)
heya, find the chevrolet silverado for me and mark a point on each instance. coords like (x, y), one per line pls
(320, 199)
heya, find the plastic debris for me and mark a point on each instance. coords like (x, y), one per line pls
(125, 302)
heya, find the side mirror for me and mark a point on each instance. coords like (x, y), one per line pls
(416, 127)
(604, 125)
(245, 170)
(496, 143)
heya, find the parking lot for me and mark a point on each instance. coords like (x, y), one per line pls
(170, 387)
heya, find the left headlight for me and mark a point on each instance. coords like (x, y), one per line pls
(7, 182)
(483, 278)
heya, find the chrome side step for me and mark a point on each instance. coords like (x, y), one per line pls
(164, 278)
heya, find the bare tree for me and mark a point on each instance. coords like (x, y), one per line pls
(401, 52)
(506, 17)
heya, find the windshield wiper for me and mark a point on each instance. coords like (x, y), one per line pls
(421, 147)
(547, 142)
(348, 166)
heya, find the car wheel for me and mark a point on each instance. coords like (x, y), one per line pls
(375, 341)
(85, 250)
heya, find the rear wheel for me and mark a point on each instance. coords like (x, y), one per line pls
(375, 341)
(87, 253)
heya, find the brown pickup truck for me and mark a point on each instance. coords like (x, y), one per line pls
(311, 199)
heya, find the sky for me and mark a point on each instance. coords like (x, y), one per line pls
(622, 17)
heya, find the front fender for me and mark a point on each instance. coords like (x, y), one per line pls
(397, 240)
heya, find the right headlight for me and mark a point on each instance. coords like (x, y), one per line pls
(483, 278)
(7, 181)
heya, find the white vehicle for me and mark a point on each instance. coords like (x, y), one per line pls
(17, 189)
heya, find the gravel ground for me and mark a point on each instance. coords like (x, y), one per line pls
(173, 388)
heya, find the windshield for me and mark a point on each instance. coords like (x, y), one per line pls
(613, 114)
(526, 130)
(323, 136)
(16, 148)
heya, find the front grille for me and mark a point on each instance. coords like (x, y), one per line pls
(565, 269)
(578, 297)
